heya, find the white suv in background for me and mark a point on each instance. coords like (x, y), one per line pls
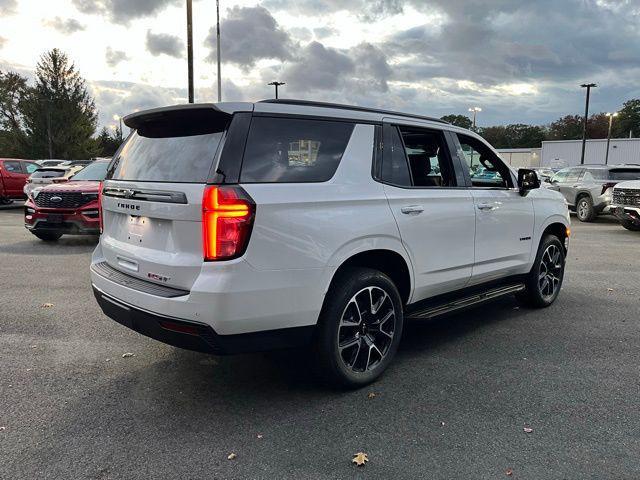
(237, 227)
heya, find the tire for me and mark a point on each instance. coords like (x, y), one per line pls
(544, 281)
(48, 236)
(629, 225)
(5, 201)
(359, 328)
(584, 209)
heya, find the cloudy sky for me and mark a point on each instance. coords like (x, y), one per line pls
(520, 60)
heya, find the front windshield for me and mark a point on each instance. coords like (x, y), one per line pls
(93, 172)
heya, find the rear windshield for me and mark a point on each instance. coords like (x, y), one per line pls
(166, 159)
(625, 174)
(93, 172)
(293, 150)
(48, 173)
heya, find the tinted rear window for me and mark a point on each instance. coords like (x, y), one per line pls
(48, 173)
(293, 150)
(166, 159)
(625, 174)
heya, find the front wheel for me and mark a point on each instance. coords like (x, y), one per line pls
(629, 225)
(48, 236)
(544, 281)
(359, 328)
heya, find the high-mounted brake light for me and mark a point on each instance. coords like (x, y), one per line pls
(100, 207)
(227, 219)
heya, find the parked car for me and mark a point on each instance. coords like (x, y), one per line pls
(588, 188)
(316, 224)
(13, 177)
(67, 208)
(544, 174)
(48, 175)
(626, 204)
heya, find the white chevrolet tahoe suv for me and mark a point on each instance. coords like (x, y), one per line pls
(236, 227)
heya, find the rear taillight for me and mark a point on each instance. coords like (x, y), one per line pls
(227, 219)
(607, 186)
(100, 207)
(59, 180)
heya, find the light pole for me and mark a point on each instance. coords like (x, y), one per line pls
(588, 86)
(610, 115)
(276, 84)
(118, 118)
(475, 111)
(218, 49)
(190, 48)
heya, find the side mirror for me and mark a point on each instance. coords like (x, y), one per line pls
(527, 180)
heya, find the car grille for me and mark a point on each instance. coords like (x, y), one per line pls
(68, 199)
(626, 196)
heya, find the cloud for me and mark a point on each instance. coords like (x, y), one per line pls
(66, 26)
(3, 42)
(163, 43)
(123, 11)
(318, 67)
(114, 57)
(7, 7)
(250, 34)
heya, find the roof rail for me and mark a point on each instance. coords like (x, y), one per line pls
(309, 103)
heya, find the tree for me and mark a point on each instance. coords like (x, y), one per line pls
(514, 136)
(108, 143)
(458, 120)
(59, 115)
(568, 127)
(12, 138)
(628, 120)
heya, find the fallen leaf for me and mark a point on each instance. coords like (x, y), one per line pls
(360, 458)
(371, 395)
(46, 305)
(259, 435)
(128, 354)
(442, 423)
(509, 472)
(34, 346)
(528, 430)
(231, 456)
(2, 429)
(609, 289)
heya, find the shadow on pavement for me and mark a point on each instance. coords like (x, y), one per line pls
(67, 245)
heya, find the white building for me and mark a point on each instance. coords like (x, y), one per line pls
(520, 157)
(566, 153)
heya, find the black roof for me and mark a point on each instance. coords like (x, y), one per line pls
(309, 103)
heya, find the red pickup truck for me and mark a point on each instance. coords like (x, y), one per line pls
(13, 176)
(67, 208)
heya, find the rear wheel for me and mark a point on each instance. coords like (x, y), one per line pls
(359, 328)
(629, 225)
(584, 210)
(544, 281)
(48, 236)
(5, 201)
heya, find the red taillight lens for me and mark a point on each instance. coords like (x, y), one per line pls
(227, 218)
(607, 186)
(100, 207)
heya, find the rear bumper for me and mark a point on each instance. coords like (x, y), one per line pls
(198, 336)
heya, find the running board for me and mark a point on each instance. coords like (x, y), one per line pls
(434, 311)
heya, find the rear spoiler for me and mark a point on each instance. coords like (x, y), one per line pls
(184, 120)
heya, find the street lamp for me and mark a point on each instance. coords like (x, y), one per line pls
(190, 49)
(218, 50)
(118, 118)
(610, 115)
(588, 86)
(276, 84)
(475, 111)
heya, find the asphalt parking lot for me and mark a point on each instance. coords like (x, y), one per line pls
(453, 405)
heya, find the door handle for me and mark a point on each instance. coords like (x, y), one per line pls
(486, 207)
(412, 209)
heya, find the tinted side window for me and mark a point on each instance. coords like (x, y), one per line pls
(13, 167)
(395, 169)
(428, 155)
(573, 175)
(560, 176)
(287, 150)
(30, 167)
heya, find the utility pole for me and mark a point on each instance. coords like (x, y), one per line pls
(190, 47)
(610, 115)
(276, 84)
(218, 48)
(588, 86)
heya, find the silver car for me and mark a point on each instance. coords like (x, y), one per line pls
(588, 189)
